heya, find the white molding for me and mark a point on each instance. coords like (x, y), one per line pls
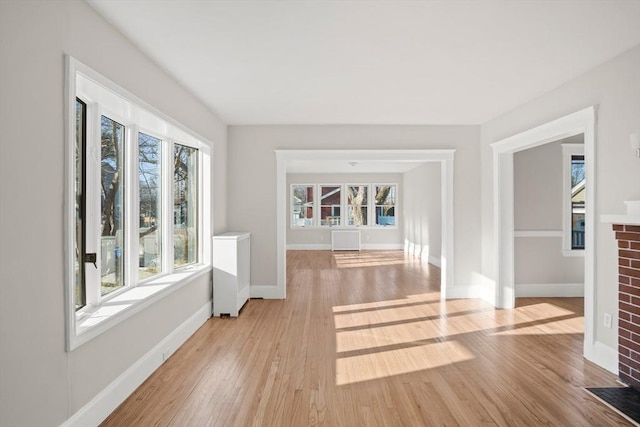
(538, 233)
(604, 356)
(382, 246)
(266, 292)
(549, 290)
(308, 246)
(445, 157)
(434, 261)
(99, 408)
(580, 122)
(457, 292)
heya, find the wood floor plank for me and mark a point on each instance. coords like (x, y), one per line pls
(363, 339)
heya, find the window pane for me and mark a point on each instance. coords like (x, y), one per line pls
(357, 199)
(302, 205)
(112, 205)
(385, 204)
(577, 202)
(149, 152)
(185, 208)
(330, 205)
(81, 120)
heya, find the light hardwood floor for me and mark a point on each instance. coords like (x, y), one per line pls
(364, 340)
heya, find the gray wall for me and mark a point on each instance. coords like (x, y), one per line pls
(615, 88)
(538, 205)
(422, 211)
(252, 181)
(40, 383)
(368, 236)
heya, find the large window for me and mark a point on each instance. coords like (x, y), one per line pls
(343, 205)
(385, 204)
(574, 190)
(358, 202)
(136, 203)
(302, 205)
(150, 202)
(330, 205)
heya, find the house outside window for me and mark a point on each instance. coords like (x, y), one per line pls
(574, 191)
(302, 202)
(330, 205)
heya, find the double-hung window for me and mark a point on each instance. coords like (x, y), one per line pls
(385, 204)
(358, 203)
(138, 191)
(302, 205)
(574, 191)
(330, 205)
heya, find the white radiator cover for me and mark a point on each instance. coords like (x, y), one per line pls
(345, 240)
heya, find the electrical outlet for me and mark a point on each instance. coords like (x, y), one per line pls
(607, 320)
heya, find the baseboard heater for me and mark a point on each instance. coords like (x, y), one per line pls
(345, 240)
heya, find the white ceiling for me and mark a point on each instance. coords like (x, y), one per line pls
(374, 62)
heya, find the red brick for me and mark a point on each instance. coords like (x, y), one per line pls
(635, 301)
(633, 355)
(622, 253)
(630, 363)
(624, 262)
(631, 290)
(629, 309)
(624, 350)
(632, 228)
(624, 244)
(635, 282)
(634, 245)
(618, 227)
(624, 369)
(624, 297)
(624, 279)
(624, 315)
(635, 319)
(629, 344)
(634, 237)
(635, 264)
(629, 272)
(623, 324)
(622, 332)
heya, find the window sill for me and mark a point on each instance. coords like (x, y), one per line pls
(93, 321)
(573, 252)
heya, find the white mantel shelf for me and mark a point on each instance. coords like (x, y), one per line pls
(631, 218)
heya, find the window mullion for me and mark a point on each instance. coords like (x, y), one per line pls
(167, 205)
(93, 194)
(131, 207)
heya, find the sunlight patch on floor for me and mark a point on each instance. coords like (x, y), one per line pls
(352, 259)
(574, 325)
(384, 364)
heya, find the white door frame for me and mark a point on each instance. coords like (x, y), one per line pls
(581, 122)
(445, 157)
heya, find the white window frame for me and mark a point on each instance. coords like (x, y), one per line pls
(344, 206)
(348, 205)
(315, 220)
(395, 206)
(318, 202)
(568, 151)
(102, 96)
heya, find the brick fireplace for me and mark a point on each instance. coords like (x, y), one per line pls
(628, 237)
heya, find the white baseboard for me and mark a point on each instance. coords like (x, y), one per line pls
(604, 356)
(327, 246)
(308, 246)
(265, 291)
(101, 406)
(435, 261)
(382, 246)
(464, 292)
(550, 290)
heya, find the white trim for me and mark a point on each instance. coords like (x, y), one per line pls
(446, 159)
(581, 122)
(549, 290)
(308, 246)
(104, 96)
(434, 261)
(458, 292)
(605, 356)
(99, 408)
(568, 151)
(265, 291)
(538, 233)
